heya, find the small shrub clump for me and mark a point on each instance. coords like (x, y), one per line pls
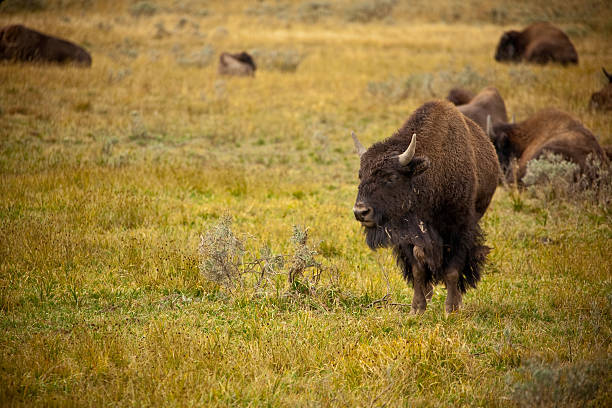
(537, 384)
(278, 60)
(551, 177)
(367, 10)
(225, 261)
(143, 8)
(312, 11)
(198, 59)
(398, 89)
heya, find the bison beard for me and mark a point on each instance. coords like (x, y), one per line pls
(463, 244)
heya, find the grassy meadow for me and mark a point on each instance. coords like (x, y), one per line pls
(118, 182)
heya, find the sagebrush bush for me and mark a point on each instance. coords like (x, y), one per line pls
(397, 89)
(367, 10)
(286, 60)
(551, 177)
(538, 384)
(224, 260)
(143, 8)
(199, 59)
(312, 11)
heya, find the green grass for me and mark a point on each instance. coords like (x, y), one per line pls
(109, 175)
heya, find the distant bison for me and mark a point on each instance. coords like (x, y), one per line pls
(459, 96)
(539, 43)
(487, 109)
(602, 100)
(425, 199)
(20, 43)
(241, 64)
(549, 130)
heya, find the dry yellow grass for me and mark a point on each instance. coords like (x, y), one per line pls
(108, 176)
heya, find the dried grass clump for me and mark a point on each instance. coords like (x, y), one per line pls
(367, 10)
(279, 60)
(225, 261)
(222, 254)
(585, 383)
(143, 8)
(399, 89)
(551, 177)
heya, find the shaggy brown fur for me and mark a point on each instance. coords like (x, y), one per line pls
(487, 102)
(539, 43)
(549, 130)
(428, 210)
(459, 96)
(602, 100)
(24, 44)
(241, 64)
(608, 151)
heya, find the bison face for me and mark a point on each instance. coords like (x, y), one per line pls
(385, 193)
(503, 146)
(506, 49)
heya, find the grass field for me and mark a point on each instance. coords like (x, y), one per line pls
(112, 177)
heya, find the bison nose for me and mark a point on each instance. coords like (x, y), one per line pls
(362, 212)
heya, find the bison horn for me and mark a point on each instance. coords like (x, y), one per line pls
(405, 157)
(358, 146)
(489, 127)
(609, 76)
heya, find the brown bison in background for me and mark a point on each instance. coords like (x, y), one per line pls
(20, 43)
(549, 130)
(424, 198)
(539, 43)
(602, 100)
(487, 109)
(241, 64)
(459, 96)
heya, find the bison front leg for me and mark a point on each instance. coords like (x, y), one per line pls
(453, 294)
(422, 291)
(419, 301)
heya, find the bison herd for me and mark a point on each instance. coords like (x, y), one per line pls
(423, 190)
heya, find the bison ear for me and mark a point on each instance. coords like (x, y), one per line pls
(416, 166)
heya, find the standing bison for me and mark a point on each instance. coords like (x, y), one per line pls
(425, 199)
(539, 43)
(20, 43)
(548, 131)
(602, 100)
(241, 64)
(486, 109)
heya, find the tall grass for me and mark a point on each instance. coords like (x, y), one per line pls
(111, 176)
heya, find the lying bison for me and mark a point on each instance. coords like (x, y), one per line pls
(549, 130)
(539, 43)
(425, 199)
(241, 64)
(20, 43)
(459, 96)
(487, 109)
(602, 100)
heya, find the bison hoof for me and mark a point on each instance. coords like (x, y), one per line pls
(452, 307)
(416, 311)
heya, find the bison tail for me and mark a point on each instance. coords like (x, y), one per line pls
(476, 255)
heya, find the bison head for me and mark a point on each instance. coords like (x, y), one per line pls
(507, 47)
(500, 137)
(386, 193)
(246, 58)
